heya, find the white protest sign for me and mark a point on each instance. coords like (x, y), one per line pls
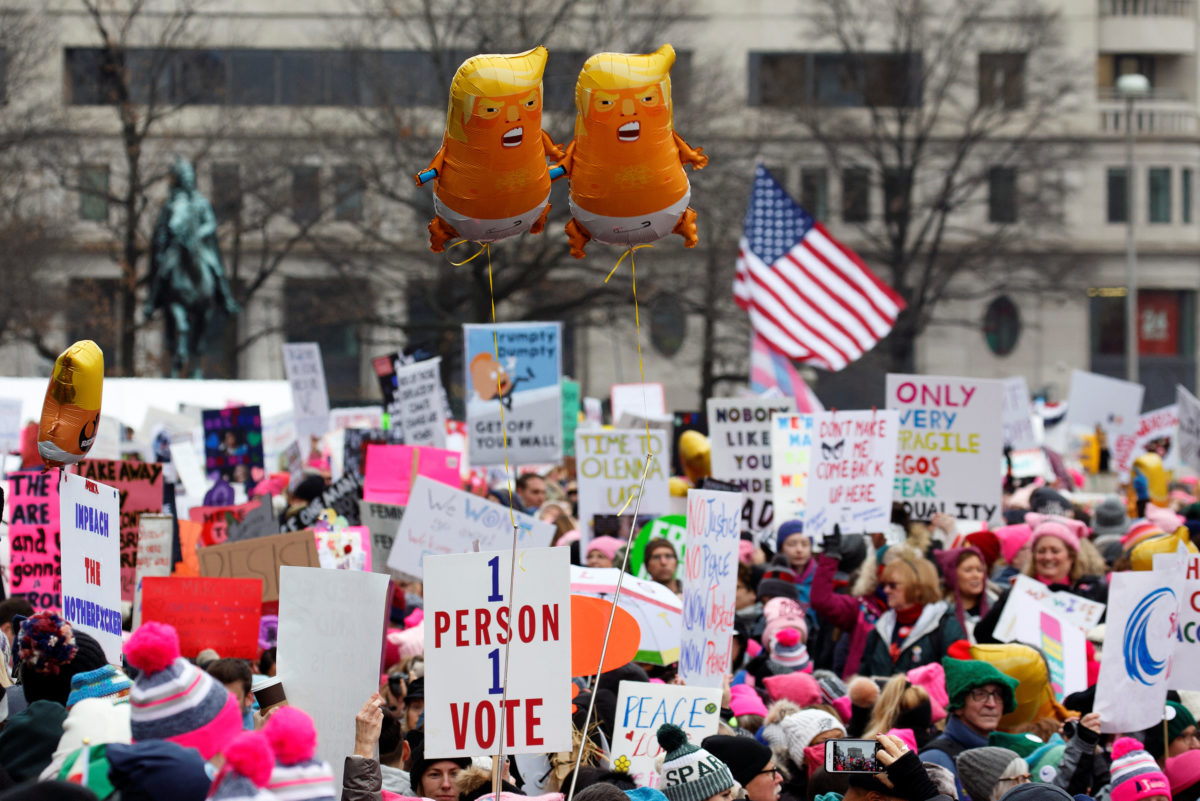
(383, 519)
(1059, 639)
(948, 445)
(440, 519)
(90, 547)
(740, 432)
(476, 634)
(1029, 463)
(417, 408)
(1018, 415)
(1185, 671)
(1155, 431)
(642, 708)
(640, 399)
(10, 425)
(188, 467)
(153, 555)
(1187, 440)
(356, 417)
(331, 623)
(609, 466)
(710, 581)
(1072, 608)
(310, 398)
(791, 446)
(1109, 403)
(850, 473)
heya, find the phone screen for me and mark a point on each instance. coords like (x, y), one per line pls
(851, 756)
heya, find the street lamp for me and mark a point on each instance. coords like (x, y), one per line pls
(1132, 87)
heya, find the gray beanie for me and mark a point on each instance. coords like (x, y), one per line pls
(980, 769)
(689, 773)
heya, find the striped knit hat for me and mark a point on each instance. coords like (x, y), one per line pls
(104, 682)
(247, 769)
(297, 775)
(1135, 774)
(690, 773)
(173, 699)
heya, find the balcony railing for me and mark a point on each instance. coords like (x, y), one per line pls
(1155, 115)
(1147, 8)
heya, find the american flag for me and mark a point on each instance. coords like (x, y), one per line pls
(771, 371)
(809, 296)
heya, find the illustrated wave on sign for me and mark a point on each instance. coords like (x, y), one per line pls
(1141, 665)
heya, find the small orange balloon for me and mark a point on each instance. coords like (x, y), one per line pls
(589, 617)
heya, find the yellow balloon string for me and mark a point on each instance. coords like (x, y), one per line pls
(483, 246)
(637, 323)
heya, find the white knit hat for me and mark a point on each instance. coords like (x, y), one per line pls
(796, 731)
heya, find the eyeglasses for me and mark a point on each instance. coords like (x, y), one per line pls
(1023, 778)
(772, 771)
(981, 695)
(892, 585)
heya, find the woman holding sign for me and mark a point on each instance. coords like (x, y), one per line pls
(918, 626)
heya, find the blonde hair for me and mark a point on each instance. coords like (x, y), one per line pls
(921, 582)
(898, 696)
(611, 72)
(491, 76)
(1087, 560)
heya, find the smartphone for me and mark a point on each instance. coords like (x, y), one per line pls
(852, 756)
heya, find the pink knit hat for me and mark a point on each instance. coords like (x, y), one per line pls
(745, 552)
(1012, 539)
(1183, 771)
(606, 545)
(1165, 519)
(1140, 529)
(744, 701)
(780, 614)
(1068, 531)
(1135, 774)
(932, 678)
(799, 687)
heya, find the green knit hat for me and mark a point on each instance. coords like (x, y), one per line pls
(963, 675)
(1023, 744)
(1182, 719)
(689, 773)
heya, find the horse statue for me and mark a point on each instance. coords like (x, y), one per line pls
(187, 276)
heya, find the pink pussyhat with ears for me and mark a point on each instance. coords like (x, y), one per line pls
(1064, 529)
(1012, 539)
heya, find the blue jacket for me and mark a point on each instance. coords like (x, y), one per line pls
(957, 737)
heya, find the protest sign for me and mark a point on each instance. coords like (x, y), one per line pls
(155, 533)
(740, 430)
(791, 446)
(310, 398)
(221, 613)
(417, 408)
(948, 445)
(444, 520)
(471, 646)
(217, 519)
(609, 466)
(1155, 432)
(593, 412)
(187, 466)
(640, 399)
(331, 623)
(1018, 415)
(1099, 402)
(141, 487)
(10, 426)
(33, 536)
(523, 377)
(1187, 440)
(233, 440)
(279, 434)
(1059, 639)
(1139, 643)
(260, 558)
(356, 417)
(189, 544)
(385, 372)
(392, 469)
(357, 440)
(91, 559)
(345, 548)
(1030, 463)
(655, 422)
(1074, 609)
(673, 529)
(1185, 670)
(341, 496)
(256, 518)
(570, 404)
(851, 472)
(709, 583)
(642, 708)
(383, 521)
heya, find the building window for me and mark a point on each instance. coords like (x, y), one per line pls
(306, 194)
(1159, 184)
(1118, 195)
(348, 188)
(1002, 80)
(879, 80)
(1002, 326)
(1002, 195)
(856, 195)
(1185, 195)
(1165, 322)
(93, 193)
(226, 191)
(1111, 67)
(896, 188)
(779, 79)
(814, 192)
(316, 310)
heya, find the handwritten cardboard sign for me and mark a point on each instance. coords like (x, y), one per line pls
(469, 635)
(346, 548)
(383, 521)
(1188, 438)
(609, 466)
(1060, 641)
(91, 559)
(310, 398)
(260, 558)
(33, 535)
(642, 708)
(341, 496)
(1018, 415)
(219, 613)
(1077, 611)
(791, 446)
(948, 445)
(851, 472)
(1185, 668)
(392, 469)
(354, 451)
(444, 520)
(141, 488)
(740, 432)
(710, 581)
(217, 519)
(640, 399)
(417, 407)
(155, 533)
(256, 518)
(1155, 431)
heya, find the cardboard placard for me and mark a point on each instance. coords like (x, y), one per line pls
(640, 399)
(310, 397)
(570, 413)
(1078, 611)
(383, 521)
(1187, 441)
(791, 449)
(1018, 415)
(91, 559)
(642, 708)
(155, 533)
(141, 487)
(260, 558)
(354, 450)
(341, 496)
(255, 518)
(740, 431)
(187, 466)
(417, 408)
(851, 472)
(331, 623)
(1155, 432)
(33, 535)
(217, 519)
(1185, 670)
(467, 601)
(709, 584)
(444, 520)
(233, 443)
(1060, 641)
(948, 445)
(609, 466)
(356, 417)
(347, 548)
(10, 425)
(218, 613)
(392, 469)
(524, 378)
(1110, 404)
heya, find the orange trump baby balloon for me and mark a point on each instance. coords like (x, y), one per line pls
(625, 164)
(491, 178)
(71, 411)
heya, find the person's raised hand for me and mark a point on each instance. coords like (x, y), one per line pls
(891, 748)
(831, 544)
(367, 725)
(1091, 721)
